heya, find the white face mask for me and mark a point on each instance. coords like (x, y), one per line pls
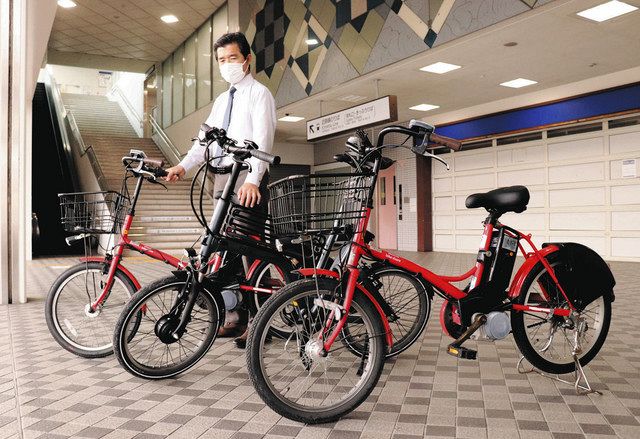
(232, 72)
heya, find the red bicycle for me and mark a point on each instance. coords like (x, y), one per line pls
(558, 305)
(85, 301)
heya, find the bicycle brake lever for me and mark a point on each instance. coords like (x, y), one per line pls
(433, 156)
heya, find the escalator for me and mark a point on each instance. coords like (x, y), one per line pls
(53, 173)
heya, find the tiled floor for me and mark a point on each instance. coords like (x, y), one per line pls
(47, 392)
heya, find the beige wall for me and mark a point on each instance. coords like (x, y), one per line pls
(578, 193)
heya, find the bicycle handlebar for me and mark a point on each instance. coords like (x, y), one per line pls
(445, 141)
(218, 134)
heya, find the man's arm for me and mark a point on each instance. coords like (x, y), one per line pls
(263, 118)
(194, 157)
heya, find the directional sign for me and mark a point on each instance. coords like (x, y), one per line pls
(364, 115)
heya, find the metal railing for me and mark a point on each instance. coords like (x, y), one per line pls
(164, 142)
(130, 110)
(69, 131)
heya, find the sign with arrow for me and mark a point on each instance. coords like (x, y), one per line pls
(371, 113)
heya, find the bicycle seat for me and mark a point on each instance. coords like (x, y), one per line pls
(504, 199)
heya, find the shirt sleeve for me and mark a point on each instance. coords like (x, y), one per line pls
(263, 118)
(195, 156)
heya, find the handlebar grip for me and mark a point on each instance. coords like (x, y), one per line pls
(159, 172)
(265, 157)
(445, 141)
(156, 163)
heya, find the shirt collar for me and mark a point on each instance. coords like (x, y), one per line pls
(244, 82)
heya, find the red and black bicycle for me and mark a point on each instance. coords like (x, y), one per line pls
(558, 305)
(85, 301)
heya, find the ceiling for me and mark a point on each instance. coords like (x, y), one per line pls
(126, 28)
(554, 47)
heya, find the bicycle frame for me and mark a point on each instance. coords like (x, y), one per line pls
(124, 242)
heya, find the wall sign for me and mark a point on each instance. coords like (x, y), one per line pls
(629, 168)
(364, 115)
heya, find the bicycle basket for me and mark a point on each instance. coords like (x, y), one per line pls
(93, 212)
(318, 203)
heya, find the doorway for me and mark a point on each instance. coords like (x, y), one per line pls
(387, 209)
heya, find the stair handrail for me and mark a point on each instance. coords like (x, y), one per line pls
(164, 142)
(129, 107)
(67, 122)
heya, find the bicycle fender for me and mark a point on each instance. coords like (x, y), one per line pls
(523, 271)
(121, 267)
(383, 316)
(309, 272)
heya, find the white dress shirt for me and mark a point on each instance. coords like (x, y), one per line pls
(253, 117)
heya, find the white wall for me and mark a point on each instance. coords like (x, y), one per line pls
(129, 86)
(78, 80)
(576, 185)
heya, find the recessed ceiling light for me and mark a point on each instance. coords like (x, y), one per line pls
(288, 118)
(311, 41)
(518, 83)
(424, 107)
(607, 11)
(440, 68)
(169, 18)
(66, 4)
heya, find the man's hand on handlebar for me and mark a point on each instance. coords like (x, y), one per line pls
(174, 173)
(249, 195)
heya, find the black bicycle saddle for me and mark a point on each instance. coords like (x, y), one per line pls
(504, 199)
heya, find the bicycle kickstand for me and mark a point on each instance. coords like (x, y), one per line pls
(581, 383)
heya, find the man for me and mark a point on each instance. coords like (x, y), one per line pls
(246, 111)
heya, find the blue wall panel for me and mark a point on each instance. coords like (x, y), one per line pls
(596, 104)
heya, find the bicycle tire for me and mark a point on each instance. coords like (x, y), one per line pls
(519, 327)
(52, 317)
(291, 295)
(206, 300)
(402, 342)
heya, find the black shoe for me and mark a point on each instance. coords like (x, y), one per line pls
(241, 342)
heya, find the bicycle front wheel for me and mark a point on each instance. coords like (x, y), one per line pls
(145, 346)
(294, 376)
(71, 321)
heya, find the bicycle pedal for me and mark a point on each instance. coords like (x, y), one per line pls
(462, 352)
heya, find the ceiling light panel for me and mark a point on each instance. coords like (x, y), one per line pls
(440, 68)
(169, 18)
(66, 4)
(607, 11)
(291, 119)
(518, 83)
(424, 107)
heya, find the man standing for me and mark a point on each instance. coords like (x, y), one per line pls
(246, 111)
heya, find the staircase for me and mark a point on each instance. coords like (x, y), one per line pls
(164, 219)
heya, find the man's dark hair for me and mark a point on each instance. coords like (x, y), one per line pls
(230, 38)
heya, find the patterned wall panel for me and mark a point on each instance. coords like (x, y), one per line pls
(302, 47)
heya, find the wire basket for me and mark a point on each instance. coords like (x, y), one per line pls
(318, 203)
(93, 212)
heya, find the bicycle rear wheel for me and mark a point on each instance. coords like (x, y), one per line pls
(547, 342)
(148, 349)
(71, 321)
(293, 376)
